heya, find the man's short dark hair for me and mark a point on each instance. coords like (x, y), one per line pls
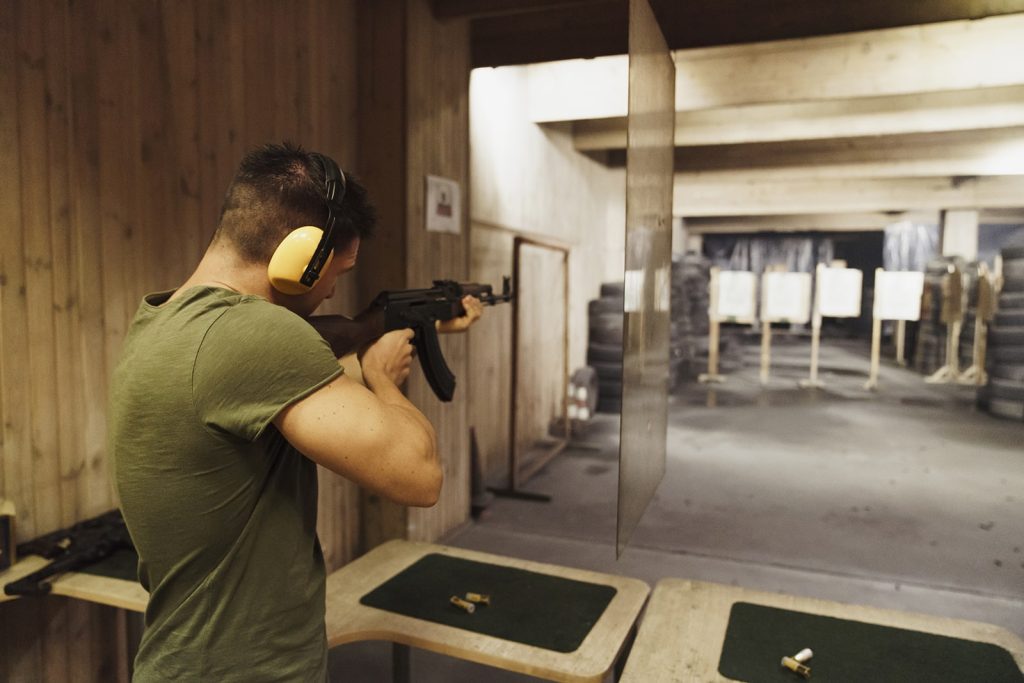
(279, 188)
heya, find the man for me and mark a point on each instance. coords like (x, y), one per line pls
(223, 402)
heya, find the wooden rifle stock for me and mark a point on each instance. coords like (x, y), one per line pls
(350, 335)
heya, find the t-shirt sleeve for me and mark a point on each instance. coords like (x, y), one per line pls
(255, 360)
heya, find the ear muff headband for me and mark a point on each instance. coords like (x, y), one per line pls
(334, 193)
(302, 255)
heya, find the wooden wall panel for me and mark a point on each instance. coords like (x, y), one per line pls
(382, 158)
(414, 83)
(14, 376)
(438, 92)
(120, 128)
(86, 240)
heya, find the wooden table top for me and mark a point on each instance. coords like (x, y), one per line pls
(349, 621)
(105, 590)
(681, 635)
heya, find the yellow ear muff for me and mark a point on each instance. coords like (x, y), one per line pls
(292, 257)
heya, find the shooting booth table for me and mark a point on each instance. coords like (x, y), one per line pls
(695, 631)
(109, 582)
(552, 622)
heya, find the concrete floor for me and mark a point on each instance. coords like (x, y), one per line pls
(906, 498)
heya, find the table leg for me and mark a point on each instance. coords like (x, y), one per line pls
(627, 646)
(400, 663)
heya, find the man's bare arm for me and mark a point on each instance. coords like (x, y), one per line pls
(371, 435)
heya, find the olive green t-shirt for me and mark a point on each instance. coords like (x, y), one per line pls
(221, 508)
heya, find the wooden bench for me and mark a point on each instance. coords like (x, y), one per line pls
(104, 590)
(349, 621)
(681, 635)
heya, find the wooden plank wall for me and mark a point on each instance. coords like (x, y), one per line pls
(120, 127)
(438, 144)
(414, 86)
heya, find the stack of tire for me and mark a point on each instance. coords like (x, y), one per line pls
(1004, 394)
(691, 275)
(689, 327)
(604, 346)
(930, 352)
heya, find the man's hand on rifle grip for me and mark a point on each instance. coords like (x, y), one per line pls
(389, 358)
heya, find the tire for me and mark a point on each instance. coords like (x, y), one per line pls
(1006, 389)
(1007, 371)
(609, 404)
(1009, 319)
(1014, 285)
(1013, 270)
(1007, 355)
(605, 305)
(1007, 336)
(606, 336)
(606, 328)
(982, 398)
(608, 372)
(613, 289)
(604, 353)
(1010, 410)
(1013, 253)
(1011, 302)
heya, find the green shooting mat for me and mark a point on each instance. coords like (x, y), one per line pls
(758, 637)
(526, 607)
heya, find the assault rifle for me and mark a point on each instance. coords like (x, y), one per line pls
(418, 309)
(79, 546)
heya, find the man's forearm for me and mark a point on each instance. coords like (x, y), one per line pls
(389, 394)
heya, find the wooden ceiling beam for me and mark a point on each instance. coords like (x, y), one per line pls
(801, 222)
(973, 153)
(1002, 216)
(841, 222)
(958, 55)
(914, 61)
(864, 195)
(955, 110)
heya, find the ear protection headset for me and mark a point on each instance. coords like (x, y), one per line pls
(302, 255)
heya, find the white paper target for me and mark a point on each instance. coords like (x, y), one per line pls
(786, 298)
(839, 292)
(737, 296)
(898, 295)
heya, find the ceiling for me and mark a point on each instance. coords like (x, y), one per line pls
(869, 108)
(507, 32)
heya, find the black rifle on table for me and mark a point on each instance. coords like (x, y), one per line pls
(418, 309)
(78, 546)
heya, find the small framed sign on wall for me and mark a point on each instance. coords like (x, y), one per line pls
(443, 205)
